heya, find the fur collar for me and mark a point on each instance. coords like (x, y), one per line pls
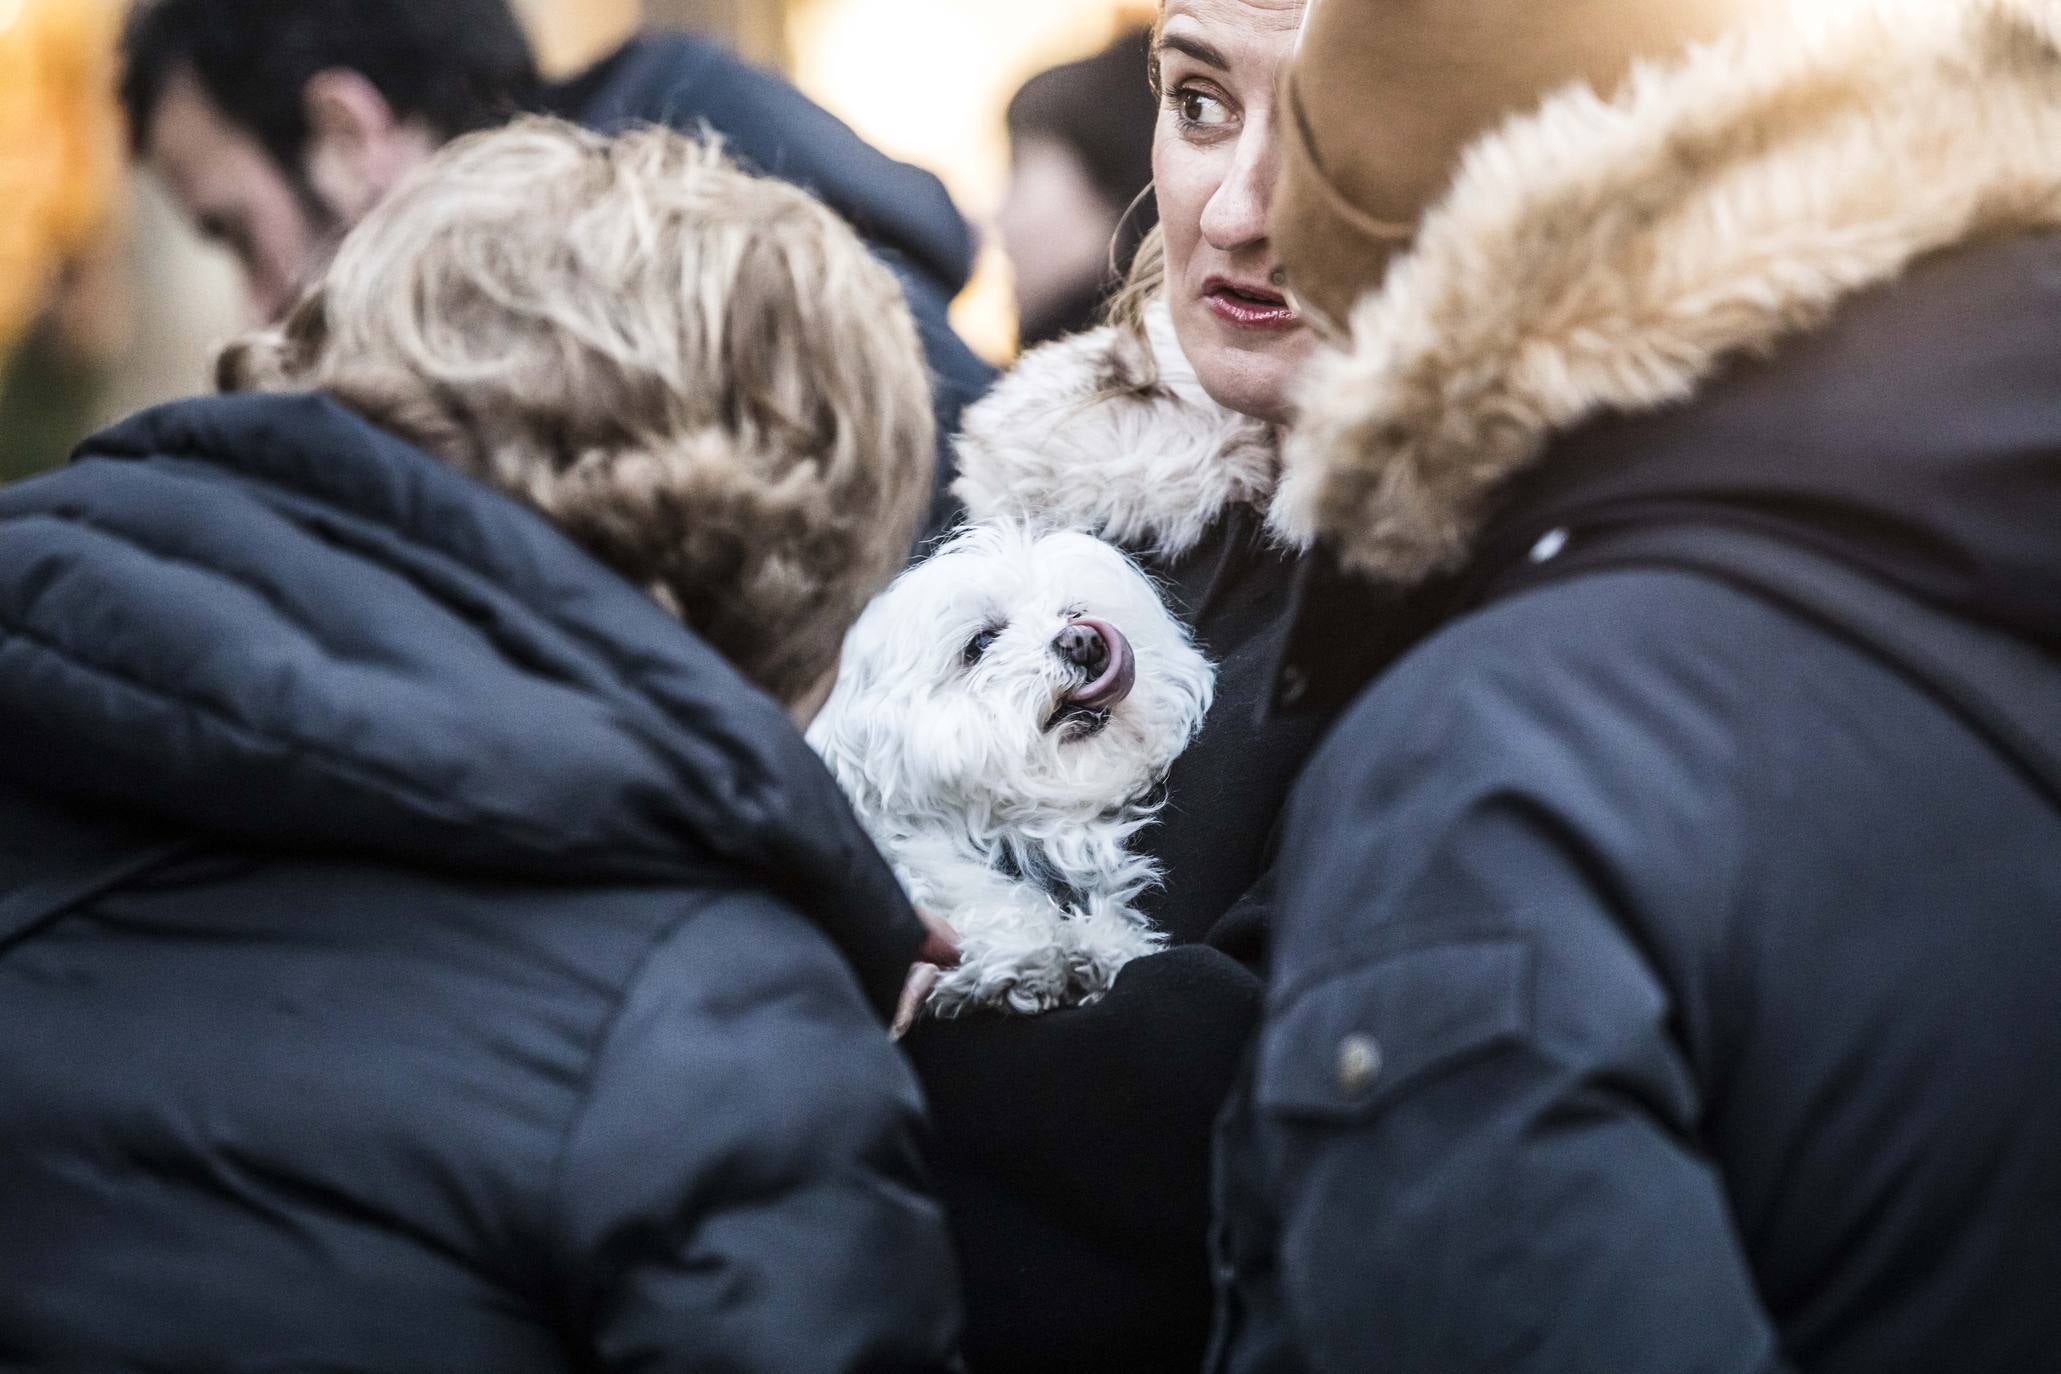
(1603, 257)
(1083, 435)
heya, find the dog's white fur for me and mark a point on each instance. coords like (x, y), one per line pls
(1017, 835)
(1601, 256)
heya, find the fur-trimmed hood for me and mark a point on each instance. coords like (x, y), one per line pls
(1611, 258)
(1107, 434)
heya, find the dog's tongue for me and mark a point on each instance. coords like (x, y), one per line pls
(1117, 678)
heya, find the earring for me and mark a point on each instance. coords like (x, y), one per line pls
(1116, 238)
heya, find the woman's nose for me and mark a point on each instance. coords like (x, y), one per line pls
(1240, 213)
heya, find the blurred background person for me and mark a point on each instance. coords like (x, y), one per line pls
(1080, 161)
(144, 330)
(275, 127)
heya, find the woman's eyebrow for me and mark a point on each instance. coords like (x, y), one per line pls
(1197, 49)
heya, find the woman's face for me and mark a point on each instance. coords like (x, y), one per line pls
(1214, 162)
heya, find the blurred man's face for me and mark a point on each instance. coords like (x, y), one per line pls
(237, 196)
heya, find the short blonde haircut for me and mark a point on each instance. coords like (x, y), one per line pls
(701, 376)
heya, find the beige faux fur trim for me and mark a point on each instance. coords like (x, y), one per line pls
(1091, 433)
(1608, 257)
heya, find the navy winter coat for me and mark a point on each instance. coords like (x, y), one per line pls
(1667, 967)
(418, 952)
(903, 212)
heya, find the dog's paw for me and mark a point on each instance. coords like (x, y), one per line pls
(1101, 938)
(1071, 962)
(1025, 986)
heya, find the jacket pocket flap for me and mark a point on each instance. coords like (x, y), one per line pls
(1346, 1045)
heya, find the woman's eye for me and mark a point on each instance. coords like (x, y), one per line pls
(1200, 110)
(978, 645)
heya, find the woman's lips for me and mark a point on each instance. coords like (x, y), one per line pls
(1244, 306)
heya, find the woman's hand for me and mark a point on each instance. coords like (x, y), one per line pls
(940, 951)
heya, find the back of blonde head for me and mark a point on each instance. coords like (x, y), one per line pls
(702, 376)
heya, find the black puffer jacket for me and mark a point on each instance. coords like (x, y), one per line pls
(903, 212)
(417, 952)
(1668, 956)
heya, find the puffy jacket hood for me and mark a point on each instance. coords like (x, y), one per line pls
(265, 618)
(1807, 280)
(681, 81)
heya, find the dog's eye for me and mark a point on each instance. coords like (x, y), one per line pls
(978, 645)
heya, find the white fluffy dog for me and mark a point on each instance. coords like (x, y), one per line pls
(1002, 718)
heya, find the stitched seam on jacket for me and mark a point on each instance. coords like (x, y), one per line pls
(557, 1224)
(622, 687)
(510, 828)
(620, 669)
(269, 596)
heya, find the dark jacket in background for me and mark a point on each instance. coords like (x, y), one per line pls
(902, 212)
(1103, 112)
(418, 952)
(1668, 953)
(1073, 1148)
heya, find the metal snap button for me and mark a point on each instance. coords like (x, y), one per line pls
(1550, 546)
(1359, 1064)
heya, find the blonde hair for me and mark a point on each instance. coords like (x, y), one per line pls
(701, 376)
(1145, 283)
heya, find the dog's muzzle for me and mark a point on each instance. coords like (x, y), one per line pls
(1100, 651)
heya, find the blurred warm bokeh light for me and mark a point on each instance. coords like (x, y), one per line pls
(569, 34)
(60, 147)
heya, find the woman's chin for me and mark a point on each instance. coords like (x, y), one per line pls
(1252, 372)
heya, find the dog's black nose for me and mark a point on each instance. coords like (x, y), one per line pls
(1084, 648)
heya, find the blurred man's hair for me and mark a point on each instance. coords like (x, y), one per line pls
(702, 376)
(1103, 110)
(457, 65)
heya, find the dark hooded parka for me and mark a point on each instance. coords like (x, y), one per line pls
(1667, 965)
(417, 951)
(903, 212)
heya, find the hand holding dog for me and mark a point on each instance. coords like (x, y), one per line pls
(939, 951)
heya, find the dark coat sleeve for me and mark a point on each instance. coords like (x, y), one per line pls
(1477, 1116)
(1074, 1154)
(742, 1189)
